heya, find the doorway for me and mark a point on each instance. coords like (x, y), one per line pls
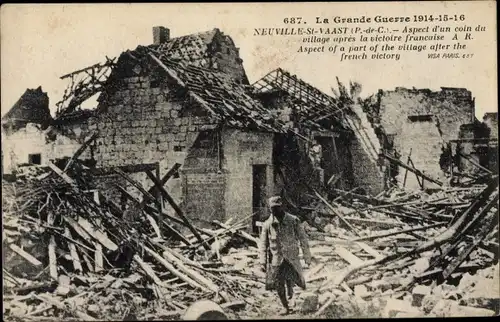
(259, 195)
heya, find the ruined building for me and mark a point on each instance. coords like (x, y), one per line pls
(188, 100)
(491, 121)
(422, 128)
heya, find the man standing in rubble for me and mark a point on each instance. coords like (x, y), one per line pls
(279, 252)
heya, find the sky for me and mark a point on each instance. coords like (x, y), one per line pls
(40, 43)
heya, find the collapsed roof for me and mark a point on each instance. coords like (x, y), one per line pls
(32, 107)
(311, 104)
(190, 63)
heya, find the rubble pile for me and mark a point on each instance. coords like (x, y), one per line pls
(69, 253)
(406, 246)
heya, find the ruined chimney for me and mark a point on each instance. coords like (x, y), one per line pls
(160, 35)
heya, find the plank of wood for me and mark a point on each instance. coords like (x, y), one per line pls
(63, 175)
(341, 217)
(373, 222)
(173, 270)
(148, 270)
(86, 259)
(348, 256)
(152, 221)
(177, 209)
(153, 211)
(49, 300)
(369, 250)
(25, 255)
(466, 252)
(328, 302)
(52, 250)
(77, 265)
(190, 272)
(242, 234)
(314, 271)
(96, 234)
(80, 150)
(399, 232)
(412, 169)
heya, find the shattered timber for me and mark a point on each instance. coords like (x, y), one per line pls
(154, 199)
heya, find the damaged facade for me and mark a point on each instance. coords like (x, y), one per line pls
(87, 226)
(424, 129)
(187, 100)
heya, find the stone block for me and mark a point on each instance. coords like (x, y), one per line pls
(418, 293)
(420, 265)
(394, 307)
(361, 291)
(381, 284)
(450, 308)
(308, 302)
(174, 114)
(429, 302)
(409, 315)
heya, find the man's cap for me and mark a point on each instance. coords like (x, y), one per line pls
(275, 201)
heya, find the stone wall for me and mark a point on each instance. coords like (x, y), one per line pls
(242, 150)
(491, 120)
(49, 143)
(227, 58)
(367, 174)
(204, 196)
(422, 120)
(203, 182)
(217, 181)
(145, 122)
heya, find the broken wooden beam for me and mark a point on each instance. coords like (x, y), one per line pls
(80, 150)
(485, 229)
(77, 265)
(474, 163)
(173, 270)
(148, 270)
(152, 211)
(336, 212)
(348, 256)
(137, 185)
(31, 259)
(399, 232)
(163, 181)
(61, 306)
(406, 170)
(412, 169)
(177, 209)
(240, 233)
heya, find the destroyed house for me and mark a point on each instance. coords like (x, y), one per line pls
(187, 100)
(419, 126)
(32, 107)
